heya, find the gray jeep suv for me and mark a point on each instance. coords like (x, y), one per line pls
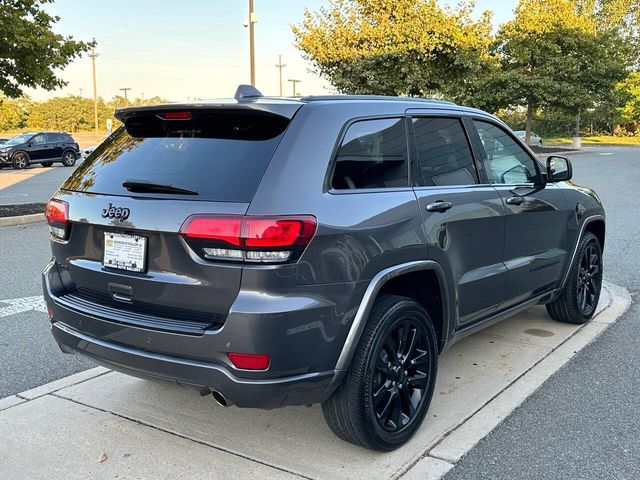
(279, 252)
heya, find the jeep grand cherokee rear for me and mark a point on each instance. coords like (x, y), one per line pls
(282, 252)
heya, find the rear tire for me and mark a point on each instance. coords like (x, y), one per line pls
(581, 293)
(387, 390)
(68, 158)
(46, 164)
(20, 161)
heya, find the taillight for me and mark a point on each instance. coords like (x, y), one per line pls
(57, 214)
(249, 361)
(249, 238)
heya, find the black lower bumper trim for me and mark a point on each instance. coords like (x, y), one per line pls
(255, 393)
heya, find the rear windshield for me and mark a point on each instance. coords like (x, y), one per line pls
(221, 155)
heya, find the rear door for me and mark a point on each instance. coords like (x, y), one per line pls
(463, 218)
(537, 214)
(56, 143)
(125, 249)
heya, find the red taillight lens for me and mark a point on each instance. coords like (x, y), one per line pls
(249, 238)
(57, 211)
(224, 229)
(175, 115)
(57, 214)
(275, 232)
(249, 361)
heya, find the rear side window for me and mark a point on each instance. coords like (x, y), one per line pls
(443, 156)
(373, 154)
(221, 155)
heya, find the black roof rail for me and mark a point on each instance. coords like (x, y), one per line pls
(247, 91)
(320, 98)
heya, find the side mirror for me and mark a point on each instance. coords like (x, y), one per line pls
(559, 169)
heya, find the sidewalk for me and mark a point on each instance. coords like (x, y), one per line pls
(101, 424)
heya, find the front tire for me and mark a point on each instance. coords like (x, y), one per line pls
(68, 158)
(580, 295)
(389, 385)
(20, 161)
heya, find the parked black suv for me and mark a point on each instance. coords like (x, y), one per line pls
(44, 148)
(323, 249)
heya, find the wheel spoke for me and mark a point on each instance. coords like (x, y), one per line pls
(379, 395)
(408, 405)
(419, 380)
(396, 412)
(384, 414)
(382, 364)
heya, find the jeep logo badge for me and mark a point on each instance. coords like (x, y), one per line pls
(116, 212)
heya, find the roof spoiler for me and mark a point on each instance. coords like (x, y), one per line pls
(247, 91)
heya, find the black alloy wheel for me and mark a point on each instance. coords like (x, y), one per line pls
(589, 279)
(400, 378)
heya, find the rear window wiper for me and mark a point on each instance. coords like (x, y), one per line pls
(153, 187)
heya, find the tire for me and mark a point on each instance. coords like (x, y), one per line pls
(368, 408)
(46, 164)
(581, 293)
(69, 158)
(20, 160)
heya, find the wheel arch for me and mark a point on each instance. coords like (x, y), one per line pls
(594, 224)
(393, 280)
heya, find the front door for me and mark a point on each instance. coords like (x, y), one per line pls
(39, 148)
(537, 214)
(463, 220)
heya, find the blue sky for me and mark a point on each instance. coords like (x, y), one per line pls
(191, 48)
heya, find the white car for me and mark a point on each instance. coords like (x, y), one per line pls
(535, 138)
(87, 151)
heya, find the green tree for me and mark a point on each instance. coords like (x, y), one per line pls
(30, 51)
(629, 90)
(553, 55)
(13, 113)
(394, 47)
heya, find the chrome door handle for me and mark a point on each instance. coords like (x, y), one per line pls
(439, 206)
(515, 200)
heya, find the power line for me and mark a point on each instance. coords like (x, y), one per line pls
(125, 90)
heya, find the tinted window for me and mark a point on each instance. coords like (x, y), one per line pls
(373, 154)
(506, 161)
(219, 154)
(39, 139)
(54, 137)
(443, 156)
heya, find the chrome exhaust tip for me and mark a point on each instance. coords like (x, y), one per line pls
(220, 399)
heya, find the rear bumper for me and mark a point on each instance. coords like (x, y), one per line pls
(302, 369)
(256, 393)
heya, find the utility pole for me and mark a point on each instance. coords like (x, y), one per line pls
(280, 66)
(81, 91)
(95, 89)
(252, 51)
(294, 85)
(125, 90)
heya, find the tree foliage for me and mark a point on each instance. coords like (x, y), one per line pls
(71, 113)
(30, 51)
(629, 91)
(552, 54)
(394, 47)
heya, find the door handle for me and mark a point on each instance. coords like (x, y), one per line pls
(439, 206)
(515, 200)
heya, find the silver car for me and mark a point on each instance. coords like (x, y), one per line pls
(535, 140)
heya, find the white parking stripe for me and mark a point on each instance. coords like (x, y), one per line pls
(23, 304)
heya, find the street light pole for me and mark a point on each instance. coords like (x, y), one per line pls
(252, 53)
(95, 89)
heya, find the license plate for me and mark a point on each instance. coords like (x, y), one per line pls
(125, 252)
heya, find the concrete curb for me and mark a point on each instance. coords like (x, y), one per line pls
(64, 382)
(455, 444)
(21, 220)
